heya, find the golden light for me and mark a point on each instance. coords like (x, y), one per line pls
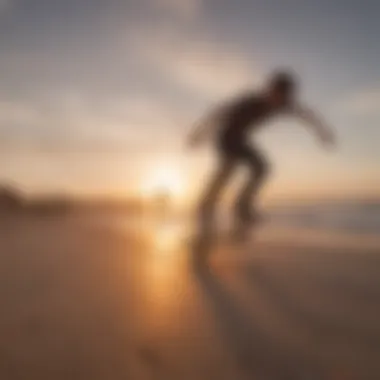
(164, 179)
(168, 238)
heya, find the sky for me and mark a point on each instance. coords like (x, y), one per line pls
(97, 96)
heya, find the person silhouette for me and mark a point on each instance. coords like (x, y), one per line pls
(230, 124)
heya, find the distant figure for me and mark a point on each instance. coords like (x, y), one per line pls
(231, 125)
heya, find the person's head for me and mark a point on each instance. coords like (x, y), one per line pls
(282, 88)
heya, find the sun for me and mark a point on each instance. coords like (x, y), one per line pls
(164, 179)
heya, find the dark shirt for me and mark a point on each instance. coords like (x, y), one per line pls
(244, 114)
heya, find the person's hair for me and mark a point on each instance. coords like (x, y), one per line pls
(284, 82)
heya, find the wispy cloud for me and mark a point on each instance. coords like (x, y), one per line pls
(71, 121)
(363, 103)
(12, 114)
(204, 67)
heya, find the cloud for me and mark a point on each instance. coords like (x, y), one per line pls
(74, 122)
(363, 103)
(12, 113)
(204, 68)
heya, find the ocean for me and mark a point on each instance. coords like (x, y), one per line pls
(350, 218)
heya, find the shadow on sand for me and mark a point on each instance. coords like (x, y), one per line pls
(328, 328)
(256, 356)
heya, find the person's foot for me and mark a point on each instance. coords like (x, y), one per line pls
(244, 223)
(248, 217)
(200, 249)
(256, 218)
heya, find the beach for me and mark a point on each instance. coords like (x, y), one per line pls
(86, 300)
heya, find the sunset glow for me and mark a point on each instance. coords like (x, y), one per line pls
(102, 99)
(164, 179)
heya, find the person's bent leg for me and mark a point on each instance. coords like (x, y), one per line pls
(211, 196)
(259, 170)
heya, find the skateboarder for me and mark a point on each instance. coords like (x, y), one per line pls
(230, 126)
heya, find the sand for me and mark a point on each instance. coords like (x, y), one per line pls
(83, 301)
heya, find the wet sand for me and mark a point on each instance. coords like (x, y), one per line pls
(81, 301)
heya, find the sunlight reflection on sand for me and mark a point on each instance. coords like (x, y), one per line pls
(162, 282)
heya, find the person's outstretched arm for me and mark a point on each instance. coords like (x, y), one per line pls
(206, 126)
(309, 117)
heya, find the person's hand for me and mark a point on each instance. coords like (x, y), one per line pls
(193, 141)
(328, 139)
